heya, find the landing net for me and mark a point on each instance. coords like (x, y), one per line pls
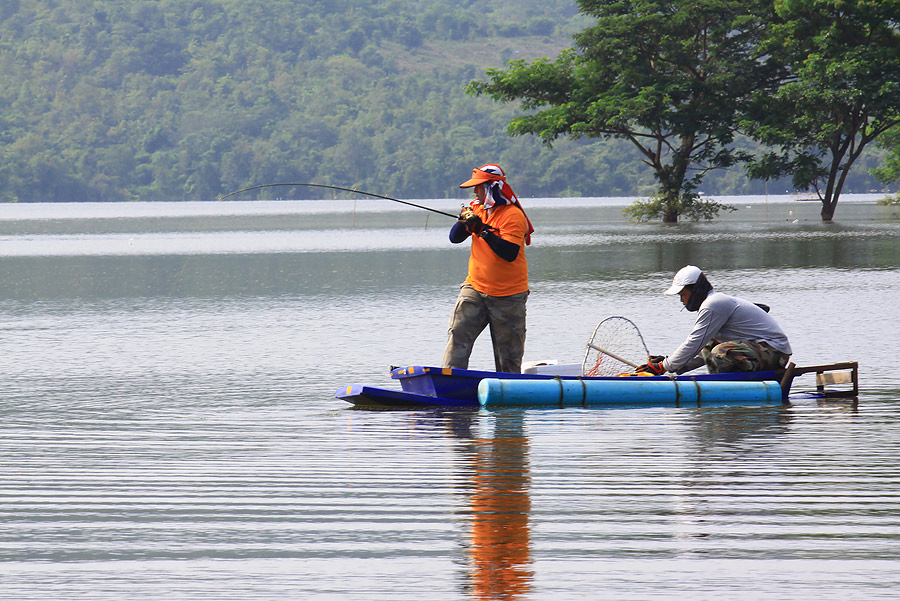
(615, 343)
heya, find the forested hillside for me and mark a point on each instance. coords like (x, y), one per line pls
(190, 99)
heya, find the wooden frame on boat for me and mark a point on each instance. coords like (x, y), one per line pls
(846, 372)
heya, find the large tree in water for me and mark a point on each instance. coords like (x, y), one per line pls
(671, 76)
(842, 91)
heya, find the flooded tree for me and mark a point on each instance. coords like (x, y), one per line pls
(841, 93)
(669, 76)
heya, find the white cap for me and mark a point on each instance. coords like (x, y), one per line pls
(686, 275)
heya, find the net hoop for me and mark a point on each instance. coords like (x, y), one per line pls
(615, 347)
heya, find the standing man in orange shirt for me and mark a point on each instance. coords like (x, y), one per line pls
(496, 288)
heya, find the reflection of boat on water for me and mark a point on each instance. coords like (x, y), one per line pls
(463, 388)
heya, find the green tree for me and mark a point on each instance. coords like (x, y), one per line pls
(889, 172)
(171, 100)
(843, 91)
(670, 76)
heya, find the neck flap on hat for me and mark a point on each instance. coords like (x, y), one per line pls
(499, 193)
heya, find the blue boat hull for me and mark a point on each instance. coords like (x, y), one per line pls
(373, 397)
(458, 388)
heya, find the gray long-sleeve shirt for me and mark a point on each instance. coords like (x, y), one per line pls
(727, 318)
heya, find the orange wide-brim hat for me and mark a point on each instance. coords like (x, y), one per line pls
(479, 176)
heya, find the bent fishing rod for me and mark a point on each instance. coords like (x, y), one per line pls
(412, 204)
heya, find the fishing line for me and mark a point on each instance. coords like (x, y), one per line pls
(406, 202)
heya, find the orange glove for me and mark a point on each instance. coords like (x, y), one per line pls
(652, 367)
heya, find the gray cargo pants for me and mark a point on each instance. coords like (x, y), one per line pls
(473, 312)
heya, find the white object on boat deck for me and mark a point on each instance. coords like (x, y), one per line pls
(551, 367)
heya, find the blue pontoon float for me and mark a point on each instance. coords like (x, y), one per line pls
(463, 388)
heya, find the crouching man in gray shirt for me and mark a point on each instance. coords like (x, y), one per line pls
(731, 334)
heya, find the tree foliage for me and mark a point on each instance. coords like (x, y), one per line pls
(111, 100)
(669, 76)
(842, 91)
(169, 100)
(889, 172)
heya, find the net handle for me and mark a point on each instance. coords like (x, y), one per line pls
(616, 357)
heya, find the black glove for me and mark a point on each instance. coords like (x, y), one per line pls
(654, 367)
(656, 358)
(474, 224)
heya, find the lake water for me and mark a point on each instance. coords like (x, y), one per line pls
(169, 428)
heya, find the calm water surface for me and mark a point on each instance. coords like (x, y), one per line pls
(169, 429)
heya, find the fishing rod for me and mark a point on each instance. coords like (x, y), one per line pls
(412, 204)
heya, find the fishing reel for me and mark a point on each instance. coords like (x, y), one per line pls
(465, 212)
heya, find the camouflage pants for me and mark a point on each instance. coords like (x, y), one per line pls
(473, 312)
(742, 355)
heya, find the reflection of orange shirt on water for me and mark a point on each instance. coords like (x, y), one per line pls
(500, 508)
(488, 273)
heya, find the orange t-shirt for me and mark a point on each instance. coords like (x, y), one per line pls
(488, 273)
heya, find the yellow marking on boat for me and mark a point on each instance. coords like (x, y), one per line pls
(348, 388)
(447, 371)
